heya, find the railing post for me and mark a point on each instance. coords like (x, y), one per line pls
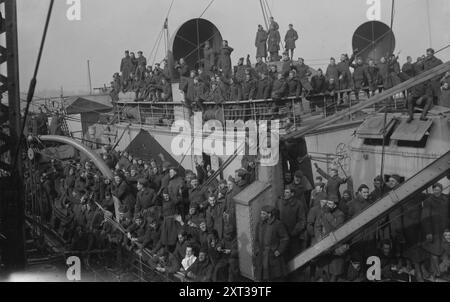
(151, 114)
(325, 105)
(350, 108)
(119, 112)
(140, 117)
(254, 110)
(293, 112)
(223, 115)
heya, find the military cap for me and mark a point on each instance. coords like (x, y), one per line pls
(267, 209)
(166, 165)
(396, 177)
(298, 174)
(143, 182)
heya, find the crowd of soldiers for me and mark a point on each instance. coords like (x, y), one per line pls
(147, 82)
(186, 222)
(214, 80)
(412, 242)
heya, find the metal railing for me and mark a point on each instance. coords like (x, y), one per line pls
(291, 111)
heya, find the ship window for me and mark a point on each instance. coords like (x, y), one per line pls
(376, 142)
(372, 129)
(414, 144)
(412, 135)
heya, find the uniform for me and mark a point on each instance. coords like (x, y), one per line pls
(270, 236)
(261, 43)
(225, 61)
(290, 38)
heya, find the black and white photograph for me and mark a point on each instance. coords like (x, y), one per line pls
(249, 143)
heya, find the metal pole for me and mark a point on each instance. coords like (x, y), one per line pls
(89, 76)
(11, 186)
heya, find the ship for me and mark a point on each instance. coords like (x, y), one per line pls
(362, 137)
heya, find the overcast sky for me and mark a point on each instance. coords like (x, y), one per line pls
(108, 27)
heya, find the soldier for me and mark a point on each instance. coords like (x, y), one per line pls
(319, 82)
(430, 62)
(235, 95)
(142, 61)
(271, 242)
(183, 68)
(294, 85)
(334, 182)
(345, 76)
(274, 44)
(214, 215)
(187, 87)
(239, 70)
(248, 88)
(200, 93)
(332, 70)
(261, 43)
(260, 66)
(360, 202)
(273, 23)
(209, 57)
(126, 67)
(359, 76)
(124, 193)
(372, 77)
(444, 99)
(202, 269)
(263, 86)
(289, 39)
(273, 72)
(303, 72)
(408, 68)
(330, 218)
(279, 90)
(145, 199)
(421, 95)
(293, 215)
(225, 60)
(134, 61)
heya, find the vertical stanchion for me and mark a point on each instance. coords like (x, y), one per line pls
(140, 117)
(293, 112)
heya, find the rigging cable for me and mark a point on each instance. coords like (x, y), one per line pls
(386, 111)
(207, 7)
(33, 82)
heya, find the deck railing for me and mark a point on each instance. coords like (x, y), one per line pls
(289, 110)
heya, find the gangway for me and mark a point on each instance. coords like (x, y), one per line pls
(416, 184)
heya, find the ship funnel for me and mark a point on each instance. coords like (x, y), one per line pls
(188, 41)
(373, 39)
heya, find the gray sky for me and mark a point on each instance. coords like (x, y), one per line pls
(108, 27)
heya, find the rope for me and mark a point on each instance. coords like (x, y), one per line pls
(157, 47)
(386, 112)
(156, 42)
(204, 11)
(264, 14)
(33, 82)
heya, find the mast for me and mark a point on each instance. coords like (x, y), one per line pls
(386, 104)
(430, 40)
(89, 76)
